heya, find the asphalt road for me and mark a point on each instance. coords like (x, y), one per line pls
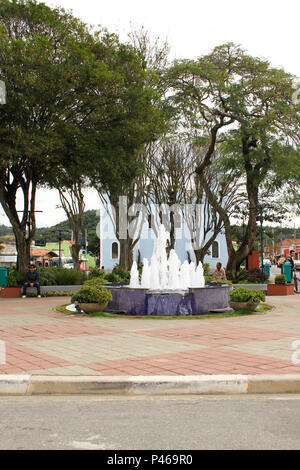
(106, 423)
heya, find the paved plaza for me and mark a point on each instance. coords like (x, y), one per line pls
(38, 340)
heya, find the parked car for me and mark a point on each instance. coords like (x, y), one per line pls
(297, 264)
(69, 266)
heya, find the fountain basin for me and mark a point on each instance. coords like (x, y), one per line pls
(193, 301)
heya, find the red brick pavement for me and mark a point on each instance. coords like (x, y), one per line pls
(212, 335)
(204, 361)
(52, 331)
(215, 335)
(22, 359)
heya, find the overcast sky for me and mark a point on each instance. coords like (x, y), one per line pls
(265, 28)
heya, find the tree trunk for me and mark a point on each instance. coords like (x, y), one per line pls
(126, 254)
(23, 250)
(75, 255)
(72, 201)
(199, 254)
(126, 244)
(10, 183)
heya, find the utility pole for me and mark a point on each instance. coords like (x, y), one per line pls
(59, 247)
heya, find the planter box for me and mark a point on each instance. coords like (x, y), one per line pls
(10, 292)
(280, 289)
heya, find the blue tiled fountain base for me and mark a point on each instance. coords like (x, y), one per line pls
(195, 301)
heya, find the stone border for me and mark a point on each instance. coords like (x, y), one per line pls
(145, 385)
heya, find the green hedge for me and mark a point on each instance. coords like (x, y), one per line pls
(49, 277)
(68, 277)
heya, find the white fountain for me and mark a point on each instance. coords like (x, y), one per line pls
(167, 287)
(134, 276)
(165, 273)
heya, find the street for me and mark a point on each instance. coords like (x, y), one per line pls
(177, 423)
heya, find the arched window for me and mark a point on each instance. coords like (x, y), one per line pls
(115, 250)
(215, 252)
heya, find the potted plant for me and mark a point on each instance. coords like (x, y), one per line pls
(280, 287)
(92, 298)
(245, 299)
(12, 288)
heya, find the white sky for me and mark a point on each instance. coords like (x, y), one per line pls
(265, 28)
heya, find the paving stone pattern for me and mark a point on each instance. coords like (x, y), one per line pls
(39, 340)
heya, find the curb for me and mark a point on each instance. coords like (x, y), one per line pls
(145, 385)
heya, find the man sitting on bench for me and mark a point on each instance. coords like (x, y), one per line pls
(32, 280)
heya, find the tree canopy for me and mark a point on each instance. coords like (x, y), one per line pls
(240, 110)
(77, 104)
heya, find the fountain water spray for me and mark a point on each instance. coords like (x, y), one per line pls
(166, 274)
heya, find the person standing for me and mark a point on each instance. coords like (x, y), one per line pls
(32, 279)
(290, 259)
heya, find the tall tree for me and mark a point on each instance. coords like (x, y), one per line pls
(127, 189)
(40, 49)
(228, 96)
(169, 167)
(76, 101)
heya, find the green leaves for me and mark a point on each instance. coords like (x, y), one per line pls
(92, 294)
(241, 294)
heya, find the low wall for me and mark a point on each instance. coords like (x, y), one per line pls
(66, 289)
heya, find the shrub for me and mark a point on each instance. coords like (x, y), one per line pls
(209, 279)
(15, 278)
(69, 277)
(89, 294)
(223, 281)
(280, 279)
(95, 282)
(243, 275)
(118, 275)
(95, 272)
(124, 274)
(11, 281)
(241, 294)
(206, 269)
(47, 277)
(114, 278)
(255, 275)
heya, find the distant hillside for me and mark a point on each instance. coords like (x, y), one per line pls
(4, 230)
(50, 234)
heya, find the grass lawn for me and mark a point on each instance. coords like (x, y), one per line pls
(263, 308)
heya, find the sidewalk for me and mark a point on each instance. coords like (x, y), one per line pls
(40, 341)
